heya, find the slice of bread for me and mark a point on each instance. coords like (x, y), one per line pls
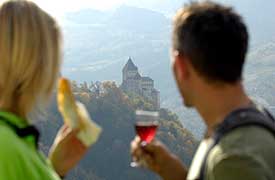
(75, 114)
(90, 131)
(66, 104)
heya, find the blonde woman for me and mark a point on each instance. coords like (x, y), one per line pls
(29, 66)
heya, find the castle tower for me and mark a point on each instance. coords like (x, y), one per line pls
(130, 70)
(130, 77)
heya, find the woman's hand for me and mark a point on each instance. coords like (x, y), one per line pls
(158, 159)
(66, 150)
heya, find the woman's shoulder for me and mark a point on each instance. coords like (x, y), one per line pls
(10, 153)
(19, 158)
(9, 141)
(14, 149)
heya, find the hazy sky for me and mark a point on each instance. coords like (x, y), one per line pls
(57, 7)
(61, 6)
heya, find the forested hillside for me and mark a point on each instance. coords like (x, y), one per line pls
(112, 109)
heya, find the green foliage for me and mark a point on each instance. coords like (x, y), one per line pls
(114, 110)
(138, 102)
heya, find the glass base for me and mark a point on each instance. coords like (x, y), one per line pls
(134, 164)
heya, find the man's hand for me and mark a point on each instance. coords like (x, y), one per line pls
(66, 150)
(158, 159)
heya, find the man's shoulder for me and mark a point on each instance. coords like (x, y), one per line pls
(246, 139)
(250, 148)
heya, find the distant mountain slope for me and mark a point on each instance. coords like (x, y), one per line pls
(91, 50)
(139, 20)
(260, 74)
(87, 16)
(258, 13)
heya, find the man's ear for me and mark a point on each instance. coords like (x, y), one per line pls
(180, 67)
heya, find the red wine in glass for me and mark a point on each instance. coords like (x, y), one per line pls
(146, 127)
(146, 130)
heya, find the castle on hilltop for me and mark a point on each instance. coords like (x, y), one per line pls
(133, 82)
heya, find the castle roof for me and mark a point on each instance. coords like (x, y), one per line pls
(145, 78)
(155, 91)
(130, 65)
(137, 76)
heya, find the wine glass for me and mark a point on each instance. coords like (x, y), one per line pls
(146, 127)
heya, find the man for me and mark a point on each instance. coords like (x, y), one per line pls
(210, 42)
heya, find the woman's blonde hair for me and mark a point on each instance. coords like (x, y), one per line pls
(29, 56)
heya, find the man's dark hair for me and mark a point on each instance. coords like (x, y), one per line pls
(214, 38)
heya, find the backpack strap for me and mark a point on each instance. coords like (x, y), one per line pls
(252, 116)
(23, 132)
(245, 117)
